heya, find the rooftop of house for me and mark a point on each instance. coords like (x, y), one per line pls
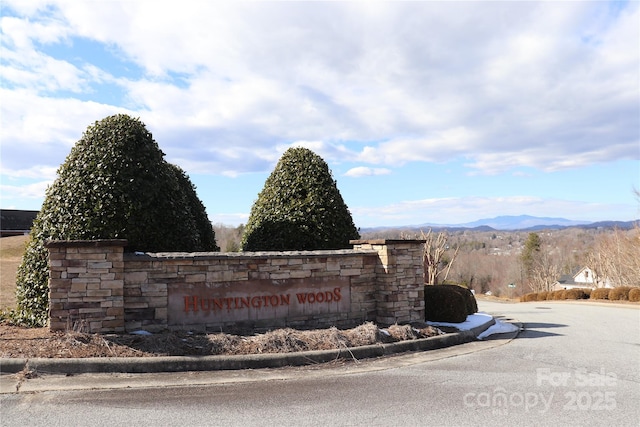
(15, 222)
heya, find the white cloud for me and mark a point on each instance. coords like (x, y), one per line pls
(361, 171)
(232, 219)
(34, 172)
(40, 131)
(504, 84)
(28, 191)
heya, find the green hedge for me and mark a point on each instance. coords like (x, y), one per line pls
(448, 303)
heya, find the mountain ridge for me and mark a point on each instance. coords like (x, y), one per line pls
(515, 223)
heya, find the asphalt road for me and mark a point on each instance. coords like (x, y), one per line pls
(574, 364)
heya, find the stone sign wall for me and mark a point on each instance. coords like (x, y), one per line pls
(99, 287)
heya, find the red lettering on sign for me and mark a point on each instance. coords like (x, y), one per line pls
(244, 302)
(190, 302)
(320, 297)
(195, 303)
(217, 303)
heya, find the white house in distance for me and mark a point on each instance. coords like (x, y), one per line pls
(581, 278)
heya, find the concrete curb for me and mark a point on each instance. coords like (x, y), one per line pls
(213, 363)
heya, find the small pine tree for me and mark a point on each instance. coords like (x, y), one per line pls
(530, 253)
(115, 183)
(299, 208)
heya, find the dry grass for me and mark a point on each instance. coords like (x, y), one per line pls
(600, 293)
(40, 342)
(620, 293)
(11, 249)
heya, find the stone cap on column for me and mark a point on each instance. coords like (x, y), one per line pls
(85, 243)
(386, 241)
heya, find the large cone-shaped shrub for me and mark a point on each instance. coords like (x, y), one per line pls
(115, 183)
(299, 208)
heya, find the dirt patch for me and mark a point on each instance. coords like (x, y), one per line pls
(18, 342)
(11, 250)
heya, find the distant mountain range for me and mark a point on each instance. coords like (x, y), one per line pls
(521, 222)
(517, 222)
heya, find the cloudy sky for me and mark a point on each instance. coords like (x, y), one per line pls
(426, 112)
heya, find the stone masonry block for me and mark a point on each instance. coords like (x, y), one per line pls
(159, 301)
(115, 311)
(112, 325)
(96, 265)
(99, 293)
(350, 272)
(300, 274)
(153, 287)
(135, 276)
(281, 276)
(111, 284)
(314, 266)
(87, 256)
(80, 287)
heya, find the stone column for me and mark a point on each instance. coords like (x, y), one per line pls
(399, 279)
(86, 280)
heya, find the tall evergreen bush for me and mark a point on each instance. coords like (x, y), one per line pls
(299, 208)
(115, 183)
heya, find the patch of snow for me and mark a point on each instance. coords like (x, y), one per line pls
(473, 320)
(500, 327)
(479, 319)
(141, 333)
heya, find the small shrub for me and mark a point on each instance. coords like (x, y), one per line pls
(634, 295)
(470, 300)
(574, 294)
(528, 297)
(558, 295)
(620, 293)
(600, 293)
(445, 303)
(541, 296)
(587, 293)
